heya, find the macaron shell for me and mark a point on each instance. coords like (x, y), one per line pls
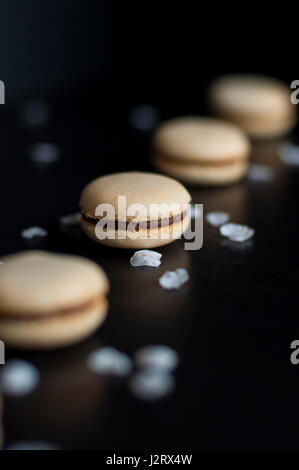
(41, 282)
(138, 188)
(203, 174)
(200, 139)
(175, 232)
(261, 105)
(274, 126)
(52, 331)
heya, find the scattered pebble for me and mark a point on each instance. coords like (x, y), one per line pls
(151, 384)
(18, 378)
(33, 232)
(70, 219)
(174, 279)
(1, 262)
(289, 154)
(236, 232)
(194, 211)
(45, 153)
(108, 360)
(237, 247)
(217, 218)
(35, 113)
(144, 117)
(33, 445)
(260, 173)
(146, 258)
(159, 356)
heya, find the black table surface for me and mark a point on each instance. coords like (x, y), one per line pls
(232, 324)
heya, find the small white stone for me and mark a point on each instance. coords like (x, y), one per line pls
(1, 262)
(18, 378)
(174, 279)
(108, 360)
(70, 219)
(33, 232)
(151, 384)
(236, 232)
(289, 154)
(159, 356)
(260, 173)
(45, 153)
(33, 445)
(144, 117)
(146, 258)
(35, 113)
(217, 218)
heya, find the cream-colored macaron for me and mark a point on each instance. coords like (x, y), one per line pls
(50, 300)
(134, 210)
(260, 105)
(201, 150)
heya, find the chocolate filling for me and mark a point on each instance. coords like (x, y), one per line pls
(64, 311)
(146, 225)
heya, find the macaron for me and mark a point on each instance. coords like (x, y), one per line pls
(260, 105)
(134, 210)
(200, 150)
(50, 300)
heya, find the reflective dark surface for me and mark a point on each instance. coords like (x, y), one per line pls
(232, 324)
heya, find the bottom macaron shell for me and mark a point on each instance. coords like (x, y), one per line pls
(261, 126)
(203, 174)
(53, 331)
(173, 232)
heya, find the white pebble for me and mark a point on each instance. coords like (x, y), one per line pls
(236, 232)
(159, 356)
(217, 218)
(35, 113)
(146, 258)
(151, 384)
(33, 232)
(45, 153)
(174, 279)
(108, 360)
(289, 154)
(70, 219)
(144, 117)
(1, 262)
(33, 445)
(18, 378)
(260, 173)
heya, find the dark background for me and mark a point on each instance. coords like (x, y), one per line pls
(149, 52)
(233, 323)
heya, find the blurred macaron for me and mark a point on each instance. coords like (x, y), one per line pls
(50, 300)
(260, 105)
(201, 150)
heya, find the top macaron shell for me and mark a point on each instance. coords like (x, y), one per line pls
(260, 104)
(138, 188)
(197, 139)
(40, 282)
